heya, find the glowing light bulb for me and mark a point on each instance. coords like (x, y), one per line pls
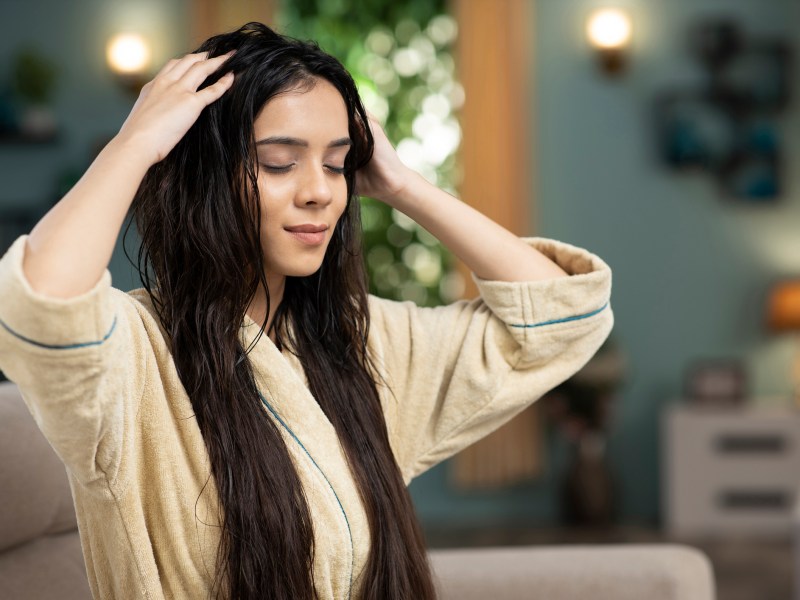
(609, 28)
(128, 54)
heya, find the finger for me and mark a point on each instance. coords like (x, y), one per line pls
(190, 61)
(199, 71)
(215, 90)
(187, 60)
(167, 67)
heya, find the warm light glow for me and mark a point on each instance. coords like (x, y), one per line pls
(609, 28)
(783, 306)
(128, 54)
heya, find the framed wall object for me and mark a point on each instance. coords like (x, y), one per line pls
(729, 126)
(716, 382)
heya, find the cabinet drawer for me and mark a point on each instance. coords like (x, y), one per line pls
(730, 472)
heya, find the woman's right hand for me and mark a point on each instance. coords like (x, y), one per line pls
(169, 104)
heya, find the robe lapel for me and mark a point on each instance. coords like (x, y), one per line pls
(280, 378)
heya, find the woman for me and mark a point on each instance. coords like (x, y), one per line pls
(207, 459)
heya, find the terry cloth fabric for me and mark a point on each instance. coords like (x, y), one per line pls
(97, 376)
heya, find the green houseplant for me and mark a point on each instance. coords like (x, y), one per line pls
(400, 55)
(34, 77)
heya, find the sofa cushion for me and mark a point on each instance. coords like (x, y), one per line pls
(45, 569)
(623, 572)
(33, 481)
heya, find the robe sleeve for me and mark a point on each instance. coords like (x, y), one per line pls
(450, 375)
(79, 363)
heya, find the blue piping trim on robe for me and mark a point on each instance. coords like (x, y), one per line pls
(566, 319)
(56, 346)
(346, 520)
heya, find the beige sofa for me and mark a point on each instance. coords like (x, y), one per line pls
(40, 555)
(40, 552)
(619, 572)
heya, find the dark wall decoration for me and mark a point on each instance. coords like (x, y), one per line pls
(729, 126)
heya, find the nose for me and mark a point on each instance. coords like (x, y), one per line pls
(314, 187)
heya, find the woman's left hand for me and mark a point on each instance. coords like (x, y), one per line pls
(385, 176)
(487, 249)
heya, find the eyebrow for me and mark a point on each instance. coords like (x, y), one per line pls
(291, 141)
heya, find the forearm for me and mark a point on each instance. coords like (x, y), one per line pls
(486, 248)
(70, 247)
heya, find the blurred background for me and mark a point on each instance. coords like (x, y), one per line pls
(662, 136)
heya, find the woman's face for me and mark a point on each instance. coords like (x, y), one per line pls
(302, 139)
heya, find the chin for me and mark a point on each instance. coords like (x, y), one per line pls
(302, 270)
(291, 263)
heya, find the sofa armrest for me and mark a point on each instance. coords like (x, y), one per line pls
(618, 572)
(35, 496)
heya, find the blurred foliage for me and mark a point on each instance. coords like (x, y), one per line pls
(399, 54)
(33, 75)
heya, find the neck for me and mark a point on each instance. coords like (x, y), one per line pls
(257, 309)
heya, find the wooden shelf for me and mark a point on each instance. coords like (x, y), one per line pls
(18, 138)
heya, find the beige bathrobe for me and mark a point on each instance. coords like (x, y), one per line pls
(97, 376)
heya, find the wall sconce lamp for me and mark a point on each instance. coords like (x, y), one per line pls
(783, 315)
(609, 33)
(128, 57)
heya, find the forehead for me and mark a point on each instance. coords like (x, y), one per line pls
(316, 112)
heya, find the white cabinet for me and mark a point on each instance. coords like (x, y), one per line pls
(730, 472)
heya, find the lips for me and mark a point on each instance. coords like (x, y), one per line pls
(306, 228)
(307, 233)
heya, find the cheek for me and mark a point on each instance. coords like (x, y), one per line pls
(341, 196)
(274, 201)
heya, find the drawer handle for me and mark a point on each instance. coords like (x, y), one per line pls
(750, 443)
(755, 499)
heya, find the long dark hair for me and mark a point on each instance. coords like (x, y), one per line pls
(198, 215)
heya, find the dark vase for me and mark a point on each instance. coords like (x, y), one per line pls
(588, 487)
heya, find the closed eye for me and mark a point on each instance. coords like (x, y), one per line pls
(286, 168)
(277, 168)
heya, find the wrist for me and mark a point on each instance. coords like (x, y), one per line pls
(134, 150)
(410, 188)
